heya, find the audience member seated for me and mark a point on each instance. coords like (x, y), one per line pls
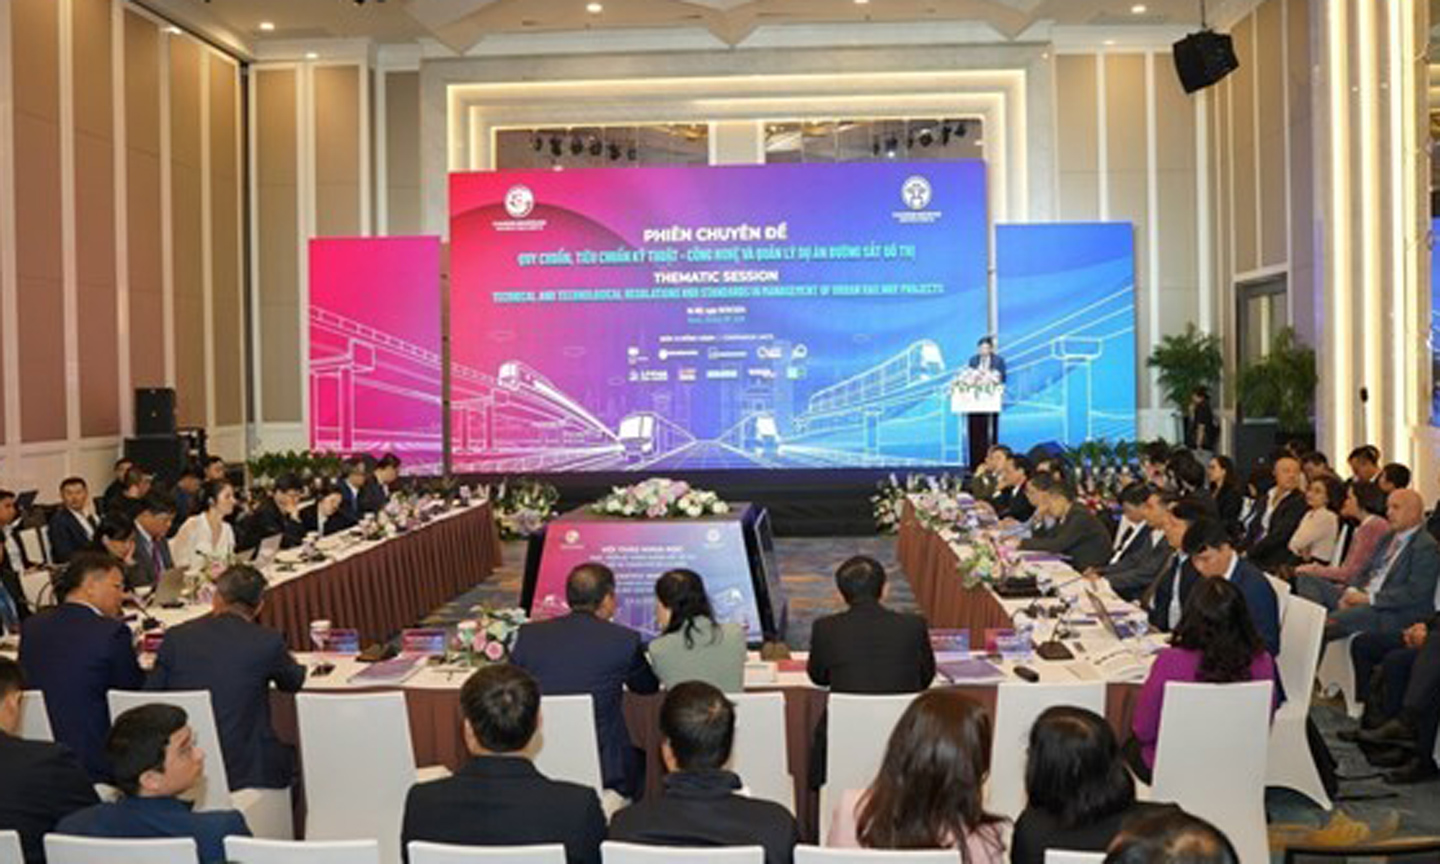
(929, 792)
(1315, 465)
(1365, 463)
(72, 526)
(692, 645)
(1324, 584)
(1215, 643)
(187, 497)
(127, 504)
(702, 803)
(1257, 493)
(1077, 786)
(79, 651)
(869, 648)
(1393, 476)
(1208, 545)
(14, 607)
(1399, 584)
(584, 652)
(352, 488)
(237, 660)
(1270, 529)
(152, 546)
(1154, 461)
(207, 536)
(498, 798)
(116, 537)
(1225, 491)
(1073, 531)
(1314, 539)
(1185, 475)
(117, 485)
(156, 763)
(1139, 559)
(43, 782)
(1171, 836)
(988, 479)
(278, 514)
(1407, 710)
(327, 515)
(9, 531)
(215, 470)
(1012, 501)
(1166, 596)
(383, 483)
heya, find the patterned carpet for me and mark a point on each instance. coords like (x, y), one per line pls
(1367, 807)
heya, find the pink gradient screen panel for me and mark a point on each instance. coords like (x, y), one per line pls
(375, 375)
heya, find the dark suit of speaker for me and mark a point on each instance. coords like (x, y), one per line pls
(75, 655)
(43, 784)
(237, 661)
(579, 653)
(68, 535)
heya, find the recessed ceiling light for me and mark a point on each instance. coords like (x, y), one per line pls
(594, 8)
(1109, 41)
(1139, 9)
(311, 55)
(862, 2)
(267, 26)
(173, 30)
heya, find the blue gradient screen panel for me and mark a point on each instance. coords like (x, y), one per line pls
(1066, 297)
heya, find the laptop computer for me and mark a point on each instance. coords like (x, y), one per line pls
(267, 550)
(169, 587)
(1106, 619)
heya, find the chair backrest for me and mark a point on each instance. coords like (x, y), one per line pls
(34, 718)
(1301, 637)
(1063, 856)
(64, 849)
(1211, 758)
(1016, 707)
(358, 765)
(248, 850)
(1282, 595)
(35, 542)
(215, 787)
(567, 748)
(820, 855)
(857, 733)
(612, 852)
(444, 853)
(760, 755)
(10, 850)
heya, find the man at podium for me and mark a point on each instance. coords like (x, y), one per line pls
(985, 427)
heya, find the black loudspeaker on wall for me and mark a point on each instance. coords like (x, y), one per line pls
(162, 455)
(1203, 58)
(154, 411)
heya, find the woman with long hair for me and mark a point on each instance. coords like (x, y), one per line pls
(693, 645)
(1224, 485)
(1215, 643)
(1314, 539)
(929, 791)
(207, 536)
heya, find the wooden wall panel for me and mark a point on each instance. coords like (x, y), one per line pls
(277, 244)
(187, 230)
(227, 308)
(337, 151)
(144, 213)
(1128, 169)
(402, 153)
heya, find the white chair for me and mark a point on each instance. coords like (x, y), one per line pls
(1016, 707)
(38, 589)
(359, 764)
(1211, 757)
(247, 850)
(64, 849)
(566, 746)
(1061, 856)
(10, 850)
(35, 543)
(444, 853)
(857, 732)
(268, 812)
(34, 718)
(612, 852)
(819, 855)
(1291, 765)
(1336, 675)
(1282, 594)
(761, 756)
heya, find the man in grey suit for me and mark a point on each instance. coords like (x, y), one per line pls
(1140, 556)
(1400, 584)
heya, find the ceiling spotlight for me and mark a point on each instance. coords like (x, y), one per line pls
(926, 138)
(862, 2)
(173, 30)
(594, 8)
(311, 55)
(267, 26)
(1109, 42)
(1139, 9)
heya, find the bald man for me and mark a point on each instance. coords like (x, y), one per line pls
(1400, 585)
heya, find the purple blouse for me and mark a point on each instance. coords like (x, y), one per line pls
(1182, 664)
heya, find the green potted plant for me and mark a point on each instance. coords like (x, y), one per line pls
(1186, 362)
(1275, 395)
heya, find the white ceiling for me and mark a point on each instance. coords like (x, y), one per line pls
(462, 24)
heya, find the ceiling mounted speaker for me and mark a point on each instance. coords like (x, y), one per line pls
(1202, 59)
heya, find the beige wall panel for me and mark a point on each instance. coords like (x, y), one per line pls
(226, 309)
(1076, 100)
(142, 202)
(94, 97)
(1125, 112)
(1242, 91)
(186, 231)
(1303, 291)
(37, 199)
(1174, 119)
(95, 286)
(1079, 196)
(1179, 249)
(42, 360)
(1271, 78)
(277, 246)
(142, 84)
(35, 52)
(402, 152)
(337, 151)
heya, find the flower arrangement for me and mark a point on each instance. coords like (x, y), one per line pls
(201, 577)
(888, 502)
(976, 383)
(487, 638)
(522, 507)
(979, 562)
(660, 498)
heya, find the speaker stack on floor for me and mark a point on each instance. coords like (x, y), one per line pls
(157, 446)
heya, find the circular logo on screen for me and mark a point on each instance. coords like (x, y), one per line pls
(572, 537)
(713, 535)
(916, 193)
(519, 201)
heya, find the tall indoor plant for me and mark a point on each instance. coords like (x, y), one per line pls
(1186, 362)
(1280, 387)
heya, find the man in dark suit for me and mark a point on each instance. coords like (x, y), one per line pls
(1269, 532)
(156, 763)
(1073, 531)
(74, 524)
(381, 485)
(117, 485)
(1208, 544)
(584, 652)
(126, 505)
(152, 548)
(14, 608)
(9, 528)
(1400, 582)
(1410, 663)
(869, 648)
(43, 782)
(702, 804)
(187, 497)
(327, 515)
(237, 660)
(1012, 502)
(278, 514)
(352, 488)
(1166, 596)
(984, 429)
(81, 650)
(498, 798)
(1139, 557)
